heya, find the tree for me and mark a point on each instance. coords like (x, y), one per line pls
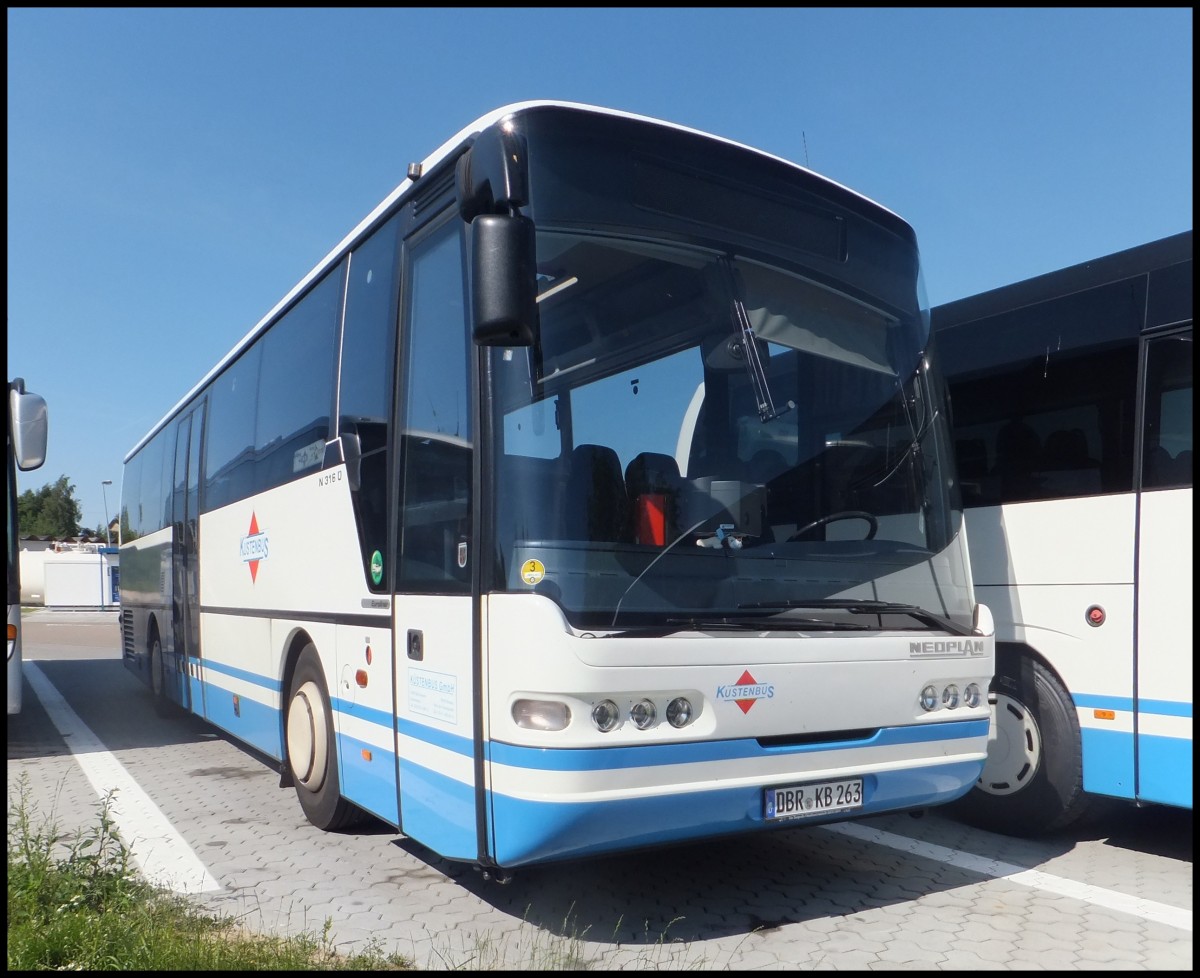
(52, 511)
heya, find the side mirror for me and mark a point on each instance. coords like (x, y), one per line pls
(492, 176)
(27, 412)
(503, 280)
(492, 182)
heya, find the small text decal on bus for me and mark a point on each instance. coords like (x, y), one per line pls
(952, 646)
(746, 692)
(254, 547)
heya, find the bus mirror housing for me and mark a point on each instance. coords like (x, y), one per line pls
(491, 181)
(491, 177)
(29, 425)
(503, 280)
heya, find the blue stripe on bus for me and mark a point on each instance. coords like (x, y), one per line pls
(369, 783)
(1091, 701)
(1165, 770)
(1166, 708)
(246, 719)
(528, 831)
(1107, 762)
(1124, 704)
(249, 677)
(439, 811)
(631, 756)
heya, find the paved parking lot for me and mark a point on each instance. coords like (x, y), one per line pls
(882, 893)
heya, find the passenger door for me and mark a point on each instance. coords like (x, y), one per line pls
(1163, 680)
(437, 740)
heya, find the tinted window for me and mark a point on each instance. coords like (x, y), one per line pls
(230, 448)
(1043, 397)
(1167, 445)
(435, 523)
(154, 482)
(131, 497)
(296, 386)
(365, 391)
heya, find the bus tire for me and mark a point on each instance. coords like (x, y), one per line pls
(1032, 780)
(312, 747)
(163, 705)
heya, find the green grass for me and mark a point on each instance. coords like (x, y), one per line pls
(78, 904)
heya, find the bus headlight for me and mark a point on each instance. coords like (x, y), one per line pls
(606, 716)
(680, 712)
(643, 714)
(541, 714)
(929, 698)
(972, 695)
(950, 697)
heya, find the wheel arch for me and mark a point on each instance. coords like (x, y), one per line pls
(295, 643)
(1016, 659)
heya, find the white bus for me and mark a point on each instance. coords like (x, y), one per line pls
(1072, 402)
(26, 441)
(595, 492)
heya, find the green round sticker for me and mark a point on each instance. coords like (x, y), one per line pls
(376, 567)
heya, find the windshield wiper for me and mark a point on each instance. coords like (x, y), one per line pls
(865, 606)
(749, 343)
(769, 624)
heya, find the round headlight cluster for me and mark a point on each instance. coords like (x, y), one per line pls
(606, 716)
(643, 714)
(950, 697)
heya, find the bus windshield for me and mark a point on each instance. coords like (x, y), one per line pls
(697, 431)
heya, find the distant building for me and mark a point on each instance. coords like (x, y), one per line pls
(75, 572)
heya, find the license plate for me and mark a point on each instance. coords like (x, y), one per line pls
(801, 800)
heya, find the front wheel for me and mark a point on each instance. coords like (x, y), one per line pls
(312, 747)
(1032, 780)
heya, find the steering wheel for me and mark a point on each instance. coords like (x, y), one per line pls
(846, 514)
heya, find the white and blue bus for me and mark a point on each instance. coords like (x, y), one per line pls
(25, 436)
(595, 492)
(1072, 403)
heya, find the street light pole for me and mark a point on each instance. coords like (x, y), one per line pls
(107, 531)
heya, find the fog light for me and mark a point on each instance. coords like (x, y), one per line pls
(680, 712)
(606, 716)
(643, 714)
(950, 697)
(972, 695)
(929, 698)
(541, 714)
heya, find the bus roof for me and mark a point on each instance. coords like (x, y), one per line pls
(1138, 260)
(439, 154)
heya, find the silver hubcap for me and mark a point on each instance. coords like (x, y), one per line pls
(307, 737)
(1014, 748)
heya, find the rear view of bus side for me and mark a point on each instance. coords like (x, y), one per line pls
(1072, 409)
(596, 492)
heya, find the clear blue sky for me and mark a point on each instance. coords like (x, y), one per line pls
(173, 172)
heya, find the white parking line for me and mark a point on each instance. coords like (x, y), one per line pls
(161, 853)
(996, 869)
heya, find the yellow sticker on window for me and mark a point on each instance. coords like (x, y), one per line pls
(532, 571)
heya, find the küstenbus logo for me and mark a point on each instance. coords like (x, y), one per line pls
(254, 547)
(746, 691)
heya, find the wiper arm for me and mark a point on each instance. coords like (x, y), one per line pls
(754, 367)
(769, 624)
(866, 606)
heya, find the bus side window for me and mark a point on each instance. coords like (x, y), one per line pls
(367, 371)
(1168, 424)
